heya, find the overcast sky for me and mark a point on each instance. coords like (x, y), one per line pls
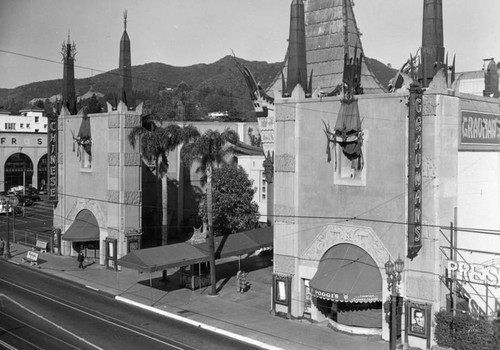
(186, 32)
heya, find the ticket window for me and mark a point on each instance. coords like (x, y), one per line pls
(111, 254)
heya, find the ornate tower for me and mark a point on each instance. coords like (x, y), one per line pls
(331, 32)
(125, 65)
(432, 41)
(297, 63)
(68, 52)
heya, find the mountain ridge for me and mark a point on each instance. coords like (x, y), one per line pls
(157, 76)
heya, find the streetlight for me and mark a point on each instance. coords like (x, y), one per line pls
(9, 203)
(393, 271)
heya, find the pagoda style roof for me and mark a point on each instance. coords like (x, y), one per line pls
(331, 32)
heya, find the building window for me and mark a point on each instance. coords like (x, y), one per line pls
(36, 119)
(350, 172)
(10, 126)
(22, 125)
(45, 126)
(28, 125)
(85, 161)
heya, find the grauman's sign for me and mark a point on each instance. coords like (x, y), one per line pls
(476, 273)
(480, 128)
(415, 171)
(52, 158)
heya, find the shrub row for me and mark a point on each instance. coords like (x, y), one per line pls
(464, 332)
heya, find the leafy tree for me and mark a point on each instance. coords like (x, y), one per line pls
(233, 207)
(210, 150)
(93, 105)
(156, 143)
(39, 104)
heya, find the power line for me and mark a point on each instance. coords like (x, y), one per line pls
(301, 107)
(328, 218)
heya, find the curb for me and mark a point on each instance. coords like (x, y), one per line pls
(199, 324)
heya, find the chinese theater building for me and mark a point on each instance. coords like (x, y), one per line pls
(362, 177)
(96, 182)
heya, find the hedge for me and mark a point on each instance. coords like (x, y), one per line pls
(464, 332)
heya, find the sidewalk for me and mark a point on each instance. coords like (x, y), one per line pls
(245, 316)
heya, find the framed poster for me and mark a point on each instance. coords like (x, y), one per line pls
(281, 286)
(418, 319)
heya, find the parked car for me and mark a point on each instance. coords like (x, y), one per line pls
(30, 192)
(4, 206)
(25, 200)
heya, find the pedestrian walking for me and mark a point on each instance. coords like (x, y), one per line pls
(2, 246)
(80, 259)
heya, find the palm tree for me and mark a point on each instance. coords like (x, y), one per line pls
(156, 143)
(209, 150)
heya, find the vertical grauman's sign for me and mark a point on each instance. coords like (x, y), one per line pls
(52, 158)
(415, 171)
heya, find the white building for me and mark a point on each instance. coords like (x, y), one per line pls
(31, 120)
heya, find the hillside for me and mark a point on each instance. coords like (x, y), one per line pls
(156, 76)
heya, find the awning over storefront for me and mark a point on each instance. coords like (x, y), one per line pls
(240, 243)
(184, 254)
(83, 229)
(347, 273)
(162, 258)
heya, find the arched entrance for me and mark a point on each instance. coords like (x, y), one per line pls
(84, 232)
(42, 173)
(347, 287)
(18, 171)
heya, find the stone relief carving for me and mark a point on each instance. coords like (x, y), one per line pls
(132, 120)
(113, 159)
(331, 235)
(429, 106)
(81, 203)
(113, 121)
(285, 114)
(132, 159)
(284, 163)
(284, 213)
(113, 196)
(132, 197)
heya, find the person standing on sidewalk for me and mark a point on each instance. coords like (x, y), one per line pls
(80, 259)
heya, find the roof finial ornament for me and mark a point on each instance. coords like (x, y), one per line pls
(69, 39)
(125, 19)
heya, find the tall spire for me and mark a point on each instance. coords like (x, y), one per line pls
(297, 63)
(68, 52)
(125, 65)
(432, 41)
(331, 32)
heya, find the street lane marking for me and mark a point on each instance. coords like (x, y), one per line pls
(48, 321)
(199, 324)
(101, 319)
(7, 345)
